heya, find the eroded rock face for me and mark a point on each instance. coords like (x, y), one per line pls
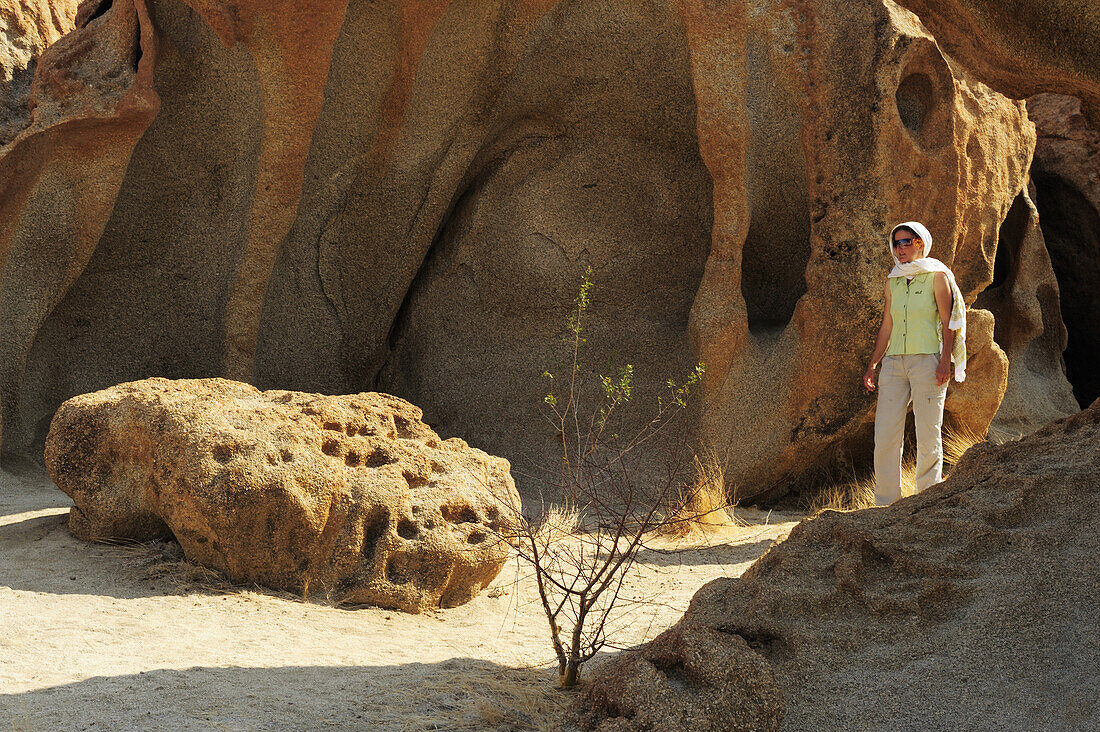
(1024, 299)
(1066, 173)
(91, 99)
(352, 497)
(692, 677)
(403, 196)
(975, 599)
(26, 28)
(877, 126)
(1022, 48)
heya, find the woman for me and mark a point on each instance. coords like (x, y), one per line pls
(923, 331)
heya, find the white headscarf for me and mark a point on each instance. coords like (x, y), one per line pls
(929, 264)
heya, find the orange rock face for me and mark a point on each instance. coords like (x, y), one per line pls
(403, 196)
(91, 99)
(851, 132)
(1022, 48)
(349, 497)
(28, 26)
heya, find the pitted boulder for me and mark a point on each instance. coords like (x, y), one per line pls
(352, 497)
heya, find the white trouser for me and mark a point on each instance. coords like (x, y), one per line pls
(905, 379)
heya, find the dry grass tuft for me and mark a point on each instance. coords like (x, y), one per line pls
(559, 523)
(859, 493)
(955, 444)
(703, 512)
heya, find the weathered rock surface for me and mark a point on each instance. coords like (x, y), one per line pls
(90, 101)
(26, 28)
(972, 604)
(1024, 47)
(1066, 173)
(689, 678)
(859, 121)
(403, 196)
(352, 496)
(1024, 298)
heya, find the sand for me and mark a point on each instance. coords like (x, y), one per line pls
(129, 637)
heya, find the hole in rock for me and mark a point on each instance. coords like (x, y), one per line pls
(222, 453)
(378, 458)
(331, 447)
(996, 298)
(351, 459)
(287, 456)
(100, 11)
(414, 479)
(475, 537)
(404, 428)
(777, 247)
(374, 527)
(397, 570)
(407, 529)
(334, 426)
(135, 61)
(1009, 239)
(1071, 228)
(459, 514)
(914, 97)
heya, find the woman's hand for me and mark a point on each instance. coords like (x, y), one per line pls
(943, 371)
(869, 378)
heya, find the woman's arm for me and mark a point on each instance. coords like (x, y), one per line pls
(882, 342)
(943, 304)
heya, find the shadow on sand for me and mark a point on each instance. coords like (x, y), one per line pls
(457, 694)
(705, 555)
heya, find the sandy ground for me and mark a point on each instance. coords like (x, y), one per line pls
(109, 637)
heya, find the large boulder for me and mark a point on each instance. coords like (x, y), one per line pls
(973, 603)
(352, 497)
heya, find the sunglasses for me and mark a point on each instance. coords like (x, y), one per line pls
(903, 242)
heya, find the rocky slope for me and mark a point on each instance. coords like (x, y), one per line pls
(971, 605)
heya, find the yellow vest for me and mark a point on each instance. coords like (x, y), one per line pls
(917, 327)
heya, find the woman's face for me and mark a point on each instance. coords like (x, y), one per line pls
(907, 246)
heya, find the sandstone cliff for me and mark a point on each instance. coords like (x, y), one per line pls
(403, 195)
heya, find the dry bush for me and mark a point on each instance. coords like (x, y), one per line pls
(607, 503)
